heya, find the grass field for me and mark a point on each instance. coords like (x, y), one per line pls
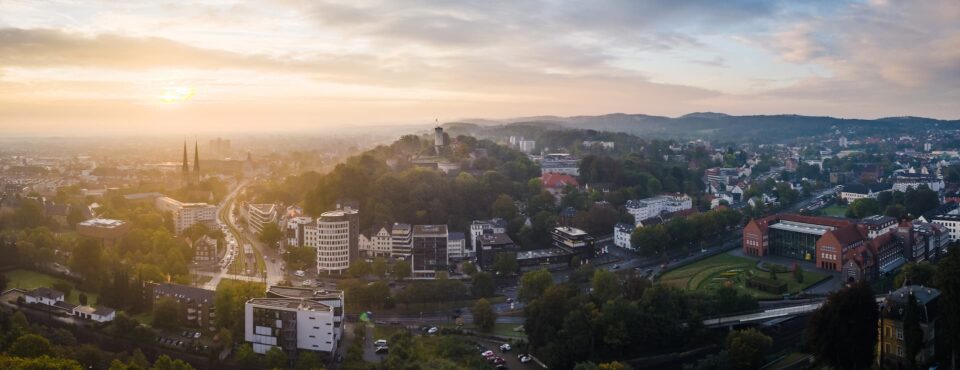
(835, 210)
(729, 270)
(28, 280)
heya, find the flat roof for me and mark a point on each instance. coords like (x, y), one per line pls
(103, 223)
(572, 231)
(290, 303)
(799, 227)
(539, 253)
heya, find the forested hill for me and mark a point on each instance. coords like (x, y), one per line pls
(707, 125)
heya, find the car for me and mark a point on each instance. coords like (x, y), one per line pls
(505, 347)
(186, 334)
(383, 349)
(616, 267)
(307, 283)
(299, 273)
(433, 330)
(196, 335)
(501, 367)
(525, 359)
(499, 360)
(487, 353)
(380, 343)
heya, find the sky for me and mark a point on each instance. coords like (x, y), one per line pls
(91, 66)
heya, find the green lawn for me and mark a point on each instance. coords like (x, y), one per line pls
(835, 210)
(728, 270)
(386, 331)
(28, 280)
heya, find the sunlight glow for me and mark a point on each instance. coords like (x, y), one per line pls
(176, 94)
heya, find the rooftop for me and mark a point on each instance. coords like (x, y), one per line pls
(800, 227)
(540, 253)
(290, 303)
(183, 291)
(102, 223)
(570, 231)
(302, 293)
(420, 230)
(44, 292)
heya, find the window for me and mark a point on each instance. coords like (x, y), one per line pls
(900, 351)
(899, 333)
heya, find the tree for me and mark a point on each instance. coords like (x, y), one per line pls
(605, 285)
(86, 260)
(246, 358)
(506, 263)
(270, 234)
(912, 332)
(469, 268)
(533, 284)
(164, 362)
(746, 349)
(275, 359)
(39, 363)
(863, 207)
(166, 313)
(843, 332)
(798, 273)
(64, 287)
(29, 215)
(83, 299)
(947, 279)
(379, 267)
(917, 273)
(308, 360)
(74, 215)
(483, 285)
(504, 207)
(30, 346)
(359, 269)
(483, 315)
(402, 270)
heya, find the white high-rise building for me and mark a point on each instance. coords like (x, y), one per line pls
(259, 215)
(187, 214)
(295, 319)
(333, 240)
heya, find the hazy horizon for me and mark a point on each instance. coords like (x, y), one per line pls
(71, 68)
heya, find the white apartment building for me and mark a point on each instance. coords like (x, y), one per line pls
(380, 243)
(527, 146)
(187, 214)
(905, 181)
(296, 231)
(333, 241)
(259, 215)
(480, 227)
(649, 207)
(621, 235)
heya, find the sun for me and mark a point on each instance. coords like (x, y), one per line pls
(174, 94)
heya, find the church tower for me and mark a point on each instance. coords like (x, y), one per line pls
(196, 161)
(186, 167)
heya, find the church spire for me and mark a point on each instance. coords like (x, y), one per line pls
(186, 167)
(196, 158)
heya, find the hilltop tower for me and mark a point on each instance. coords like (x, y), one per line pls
(438, 139)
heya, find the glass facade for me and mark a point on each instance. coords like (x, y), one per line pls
(793, 244)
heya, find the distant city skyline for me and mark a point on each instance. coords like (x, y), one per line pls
(212, 66)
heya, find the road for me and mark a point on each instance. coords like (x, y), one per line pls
(226, 207)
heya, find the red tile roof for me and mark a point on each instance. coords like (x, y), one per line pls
(557, 180)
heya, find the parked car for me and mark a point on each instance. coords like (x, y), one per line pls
(433, 330)
(525, 359)
(299, 273)
(505, 347)
(487, 353)
(383, 349)
(380, 343)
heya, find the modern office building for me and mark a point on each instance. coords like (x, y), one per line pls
(574, 241)
(493, 245)
(187, 214)
(259, 215)
(294, 320)
(337, 240)
(946, 215)
(891, 346)
(108, 232)
(401, 240)
(429, 249)
(560, 163)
